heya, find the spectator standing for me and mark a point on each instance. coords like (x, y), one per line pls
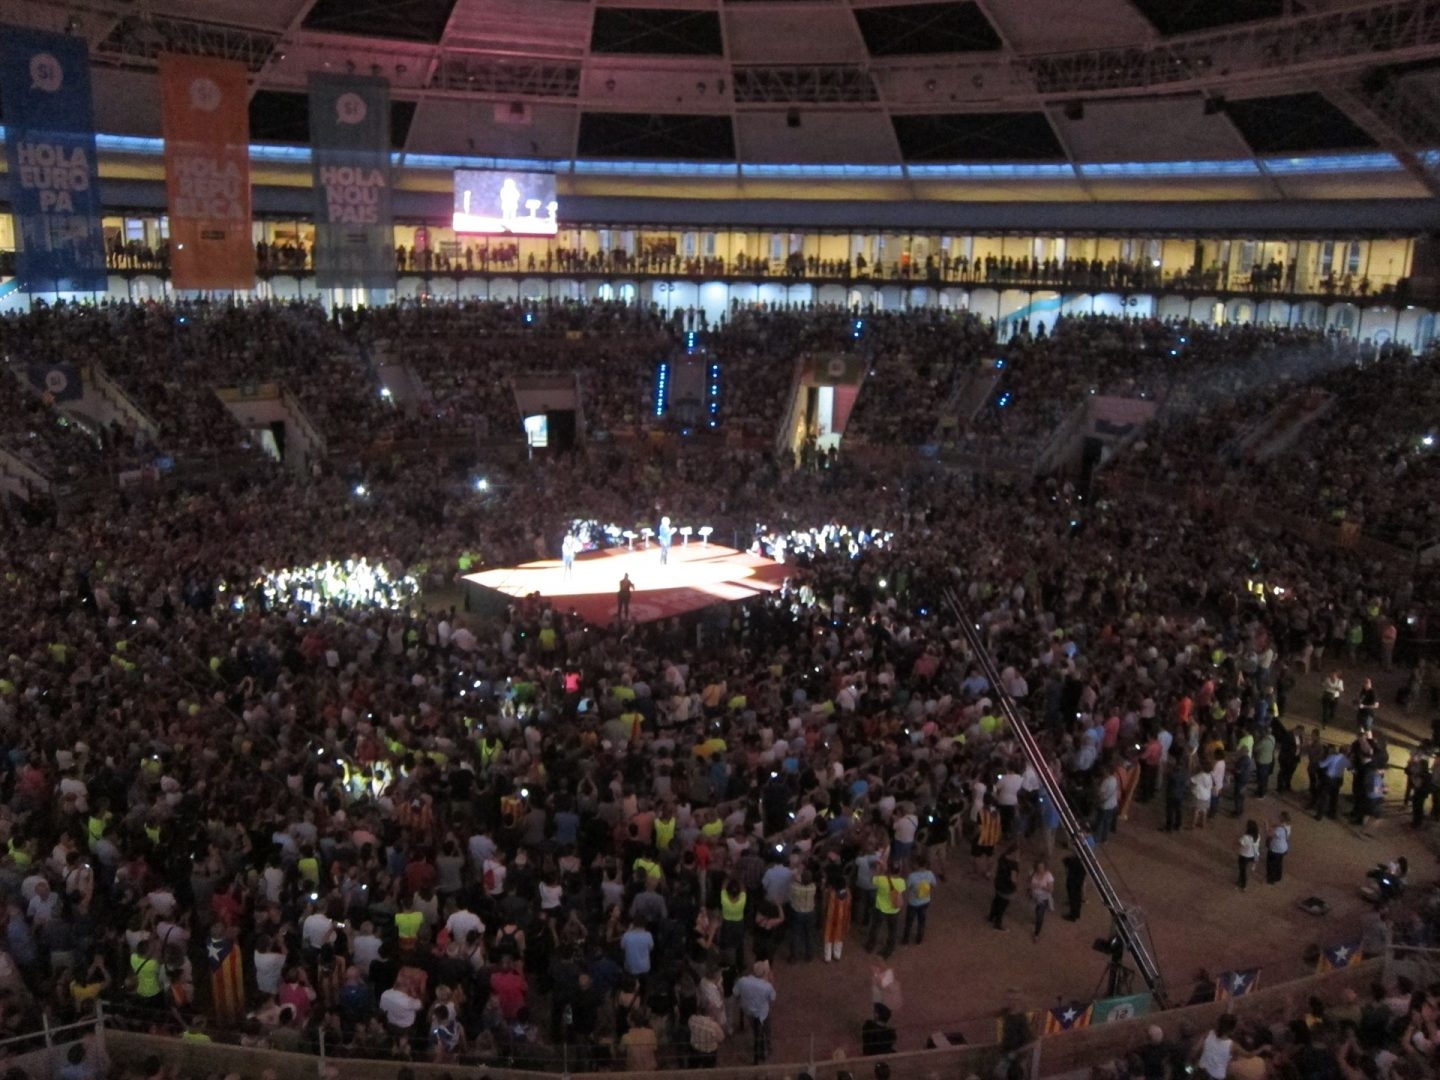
(756, 995)
(889, 902)
(1042, 894)
(1248, 851)
(1277, 846)
(1006, 869)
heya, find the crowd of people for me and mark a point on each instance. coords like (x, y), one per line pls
(1224, 396)
(528, 840)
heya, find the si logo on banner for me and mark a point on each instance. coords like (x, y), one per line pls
(354, 222)
(61, 381)
(50, 148)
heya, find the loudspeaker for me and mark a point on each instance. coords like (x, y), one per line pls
(792, 118)
(1074, 110)
(277, 431)
(561, 429)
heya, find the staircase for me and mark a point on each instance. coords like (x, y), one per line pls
(1114, 422)
(791, 434)
(399, 382)
(20, 479)
(269, 408)
(1282, 426)
(101, 403)
(106, 403)
(972, 390)
(1066, 442)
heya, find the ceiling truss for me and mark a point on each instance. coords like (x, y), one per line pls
(836, 84)
(138, 40)
(1401, 117)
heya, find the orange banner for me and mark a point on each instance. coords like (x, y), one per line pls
(207, 172)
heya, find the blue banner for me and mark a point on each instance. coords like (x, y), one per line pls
(61, 381)
(50, 145)
(350, 141)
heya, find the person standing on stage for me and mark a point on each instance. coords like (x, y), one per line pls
(623, 598)
(665, 534)
(567, 552)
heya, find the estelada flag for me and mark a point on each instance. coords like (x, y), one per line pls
(1339, 956)
(227, 979)
(1234, 984)
(1067, 1018)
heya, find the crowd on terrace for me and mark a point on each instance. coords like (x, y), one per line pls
(1330, 427)
(937, 262)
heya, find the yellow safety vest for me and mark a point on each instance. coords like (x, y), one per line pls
(885, 889)
(408, 923)
(310, 870)
(732, 909)
(664, 833)
(147, 975)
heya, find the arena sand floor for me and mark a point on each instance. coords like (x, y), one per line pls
(1183, 882)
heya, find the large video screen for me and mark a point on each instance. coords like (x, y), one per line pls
(504, 203)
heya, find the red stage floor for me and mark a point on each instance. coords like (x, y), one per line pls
(697, 576)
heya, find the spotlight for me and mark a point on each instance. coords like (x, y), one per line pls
(1113, 947)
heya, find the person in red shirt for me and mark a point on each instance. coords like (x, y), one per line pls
(420, 871)
(510, 988)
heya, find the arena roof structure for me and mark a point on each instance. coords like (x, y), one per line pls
(1242, 99)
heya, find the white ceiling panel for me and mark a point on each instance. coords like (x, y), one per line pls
(757, 34)
(1173, 129)
(472, 127)
(543, 27)
(830, 137)
(1032, 26)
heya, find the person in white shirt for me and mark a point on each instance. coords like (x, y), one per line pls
(1202, 784)
(365, 949)
(1332, 689)
(269, 963)
(161, 902)
(903, 831)
(461, 922)
(317, 930)
(1213, 1058)
(1007, 798)
(493, 875)
(400, 1008)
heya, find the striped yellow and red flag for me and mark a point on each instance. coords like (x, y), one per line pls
(227, 979)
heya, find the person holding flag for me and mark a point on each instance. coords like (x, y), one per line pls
(227, 975)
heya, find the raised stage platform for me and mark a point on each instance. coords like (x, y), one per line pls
(697, 576)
